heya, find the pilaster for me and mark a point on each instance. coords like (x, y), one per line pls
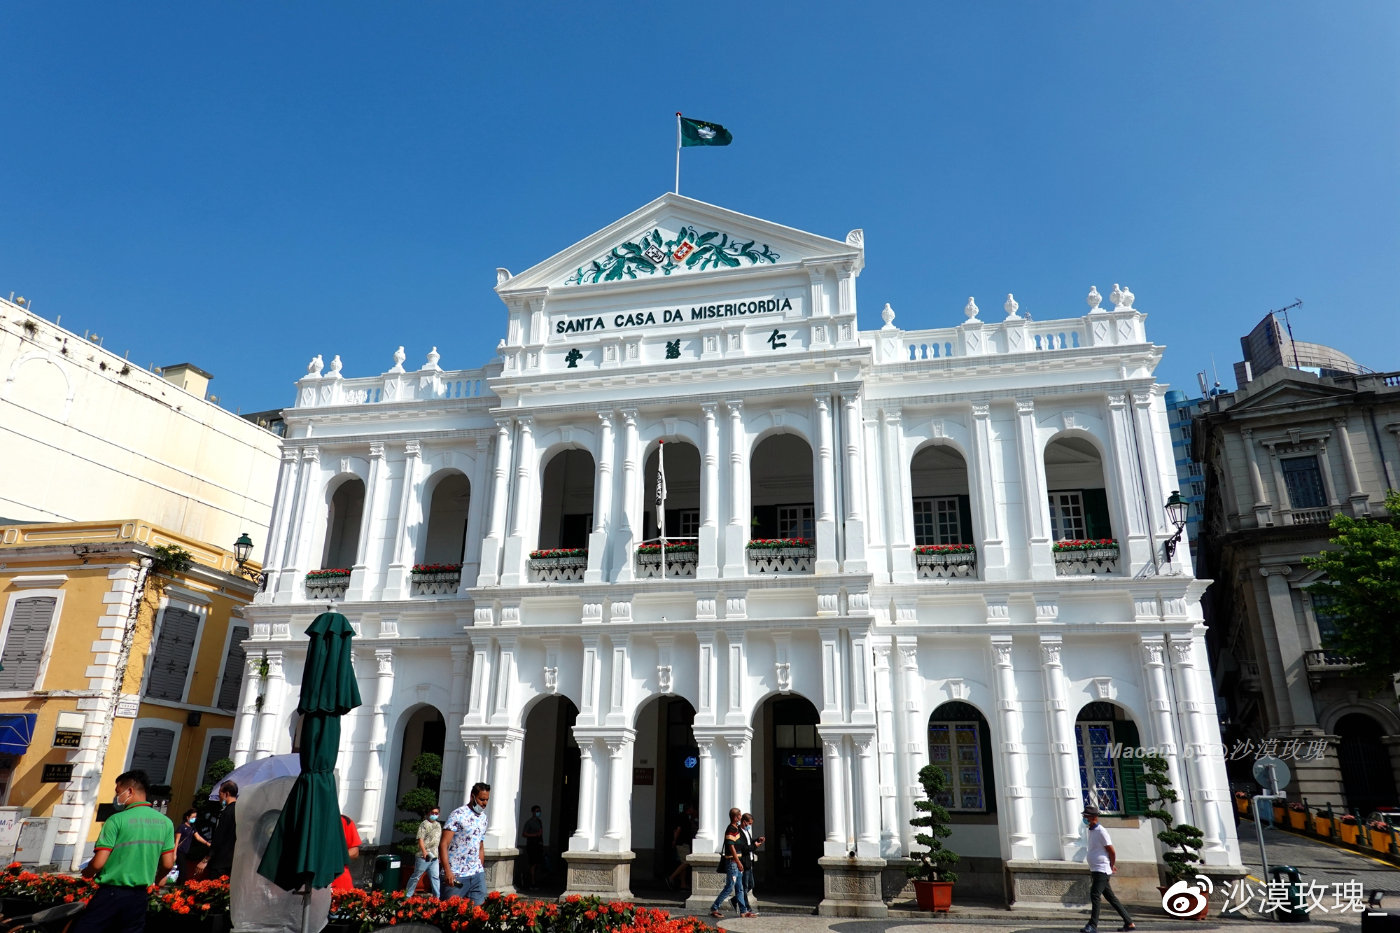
(602, 502)
(708, 567)
(736, 530)
(524, 493)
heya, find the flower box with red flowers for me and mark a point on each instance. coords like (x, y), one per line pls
(1097, 544)
(779, 544)
(420, 569)
(679, 547)
(328, 575)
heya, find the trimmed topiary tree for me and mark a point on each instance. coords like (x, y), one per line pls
(1183, 841)
(936, 863)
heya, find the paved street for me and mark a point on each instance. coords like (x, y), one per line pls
(1319, 862)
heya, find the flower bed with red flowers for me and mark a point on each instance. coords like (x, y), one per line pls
(671, 547)
(363, 911)
(437, 568)
(945, 549)
(1099, 544)
(43, 889)
(553, 552)
(191, 898)
(774, 544)
(327, 573)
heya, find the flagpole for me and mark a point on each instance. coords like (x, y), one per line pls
(678, 191)
(661, 500)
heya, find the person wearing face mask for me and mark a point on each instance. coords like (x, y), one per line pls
(135, 849)
(225, 835)
(462, 850)
(184, 844)
(426, 859)
(1103, 861)
(533, 832)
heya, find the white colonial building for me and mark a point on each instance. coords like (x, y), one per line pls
(548, 654)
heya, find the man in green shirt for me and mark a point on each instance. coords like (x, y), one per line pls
(135, 849)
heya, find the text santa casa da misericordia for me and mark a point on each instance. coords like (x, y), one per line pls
(672, 315)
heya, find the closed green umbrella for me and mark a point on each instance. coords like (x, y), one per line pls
(307, 848)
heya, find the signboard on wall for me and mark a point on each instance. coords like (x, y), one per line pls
(128, 705)
(643, 777)
(57, 774)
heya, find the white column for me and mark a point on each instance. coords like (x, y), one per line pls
(453, 753)
(476, 767)
(1200, 735)
(247, 709)
(629, 535)
(1126, 475)
(275, 685)
(736, 531)
(708, 568)
(1163, 729)
(1013, 749)
(915, 735)
(301, 527)
(476, 516)
(868, 839)
(602, 502)
(505, 789)
(1287, 672)
(496, 520)
(837, 829)
(709, 809)
(282, 528)
(991, 553)
(899, 509)
(1064, 767)
(618, 837)
(396, 579)
(378, 736)
(854, 476)
(1034, 497)
(888, 731)
(740, 776)
(1263, 510)
(826, 490)
(369, 521)
(1151, 474)
(526, 492)
(582, 839)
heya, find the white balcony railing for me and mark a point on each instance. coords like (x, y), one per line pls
(445, 583)
(781, 560)
(946, 566)
(558, 569)
(327, 587)
(1086, 563)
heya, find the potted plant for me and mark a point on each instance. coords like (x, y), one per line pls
(1322, 824)
(1348, 827)
(1297, 815)
(1182, 840)
(932, 869)
(1379, 831)
(1280, 812)
(1242, 802)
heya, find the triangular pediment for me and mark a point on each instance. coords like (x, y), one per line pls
(1285, 389)
(672, 237)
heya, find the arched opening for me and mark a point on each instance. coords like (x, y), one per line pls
(549, 775)
(1074, 479)
(446, 535)
(566, 500)
(343, 517)
(424, 733)
(942, 504)
(781, 489)
(793, 793)
(682, 492)
(1110, 779)
(960, 743)
(1368, 778)
(665, 780)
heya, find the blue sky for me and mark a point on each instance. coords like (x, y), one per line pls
(245, 185)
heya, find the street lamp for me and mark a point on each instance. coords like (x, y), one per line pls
(1176, 514)
(242, 548)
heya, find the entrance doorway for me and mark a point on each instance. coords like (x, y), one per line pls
(549, 772)
(1367, 777)
(794, 796)
(665, 779)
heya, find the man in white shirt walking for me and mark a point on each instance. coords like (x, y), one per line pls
(1103, 862)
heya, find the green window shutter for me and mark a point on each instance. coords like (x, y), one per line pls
(1096, 521)
(965, 522)
(1130, 769)
(25, 642)
(219, 747)
(151, 753)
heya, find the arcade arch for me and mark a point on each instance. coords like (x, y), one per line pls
(445, 535)
(790, 801)
(782, 492)
(566, 500)
(343, 516)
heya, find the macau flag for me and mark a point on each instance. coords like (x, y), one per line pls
(700, 133)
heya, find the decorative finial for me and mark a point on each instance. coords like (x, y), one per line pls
(502, 275)
(399, 357)
(1116, 296)
(1011, 307)
(971, 309)
(433, 357)
(1094, 298)
(335, 365)
(1127, 298)
(887, 315)
(315, 366)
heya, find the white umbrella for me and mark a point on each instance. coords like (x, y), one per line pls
(259, 770)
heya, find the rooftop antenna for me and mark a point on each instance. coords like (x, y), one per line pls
(1297, 303)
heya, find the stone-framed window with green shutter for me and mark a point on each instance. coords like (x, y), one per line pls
(1110, 779)
(30, 622)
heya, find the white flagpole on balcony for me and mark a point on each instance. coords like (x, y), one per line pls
(661, 501)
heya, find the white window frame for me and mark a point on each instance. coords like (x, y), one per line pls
(1083, 743)
(937, 509)
(805, 515)
(189, 601)
(1058, 501)
(48, 645)
(955, 785)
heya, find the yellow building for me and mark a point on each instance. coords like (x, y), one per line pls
(115, 656)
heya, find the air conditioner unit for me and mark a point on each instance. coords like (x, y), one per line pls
(36, 840)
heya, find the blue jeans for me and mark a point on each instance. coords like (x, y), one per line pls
(733, 886)
(420, 865)
(472, 887)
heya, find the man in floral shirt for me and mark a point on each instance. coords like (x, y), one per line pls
(462, 851)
